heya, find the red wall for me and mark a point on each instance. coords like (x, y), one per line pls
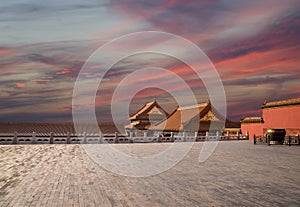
(282, 117)
(287, 118)
(254, 128)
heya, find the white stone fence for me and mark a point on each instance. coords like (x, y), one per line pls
(100, 139)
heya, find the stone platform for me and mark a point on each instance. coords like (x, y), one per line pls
(237, 174)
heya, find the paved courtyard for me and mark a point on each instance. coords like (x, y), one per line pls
(238, 173)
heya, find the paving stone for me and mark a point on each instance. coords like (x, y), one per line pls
(238, 173)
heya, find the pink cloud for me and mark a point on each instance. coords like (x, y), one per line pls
(256, 63)
(7, 52)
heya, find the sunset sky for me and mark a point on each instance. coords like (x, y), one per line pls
(254, 46)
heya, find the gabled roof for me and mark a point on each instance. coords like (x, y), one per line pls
(282, 103)
(151, 107)
(185, 118)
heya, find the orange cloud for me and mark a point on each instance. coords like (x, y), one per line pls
(62, 72)
(40, 81)
(20, 85)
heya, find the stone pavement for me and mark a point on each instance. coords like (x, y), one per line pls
(237, 174)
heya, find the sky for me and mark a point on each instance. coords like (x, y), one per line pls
(253, 45)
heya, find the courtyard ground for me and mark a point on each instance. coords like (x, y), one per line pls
(238, 173)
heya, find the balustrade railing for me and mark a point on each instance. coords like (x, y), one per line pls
(99, 139)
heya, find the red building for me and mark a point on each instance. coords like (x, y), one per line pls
(283, 114)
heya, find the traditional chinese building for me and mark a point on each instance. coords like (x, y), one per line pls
(283, 114)
(202, 118)
(150, 114)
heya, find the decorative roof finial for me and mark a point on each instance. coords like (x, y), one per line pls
(265, 102)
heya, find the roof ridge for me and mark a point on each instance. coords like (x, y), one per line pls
(144, 108)
(286, 102)
(192, 106)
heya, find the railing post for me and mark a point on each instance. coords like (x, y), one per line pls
(15, 140)
(84, 138)
(184, 136)
(228, 137)
(131, 137)
(196, 136)
(51, 137)
(100, 138)
(217, 134)
(206, 135)
(68, 137)
(116, 137)
(172, 136)
(33, 138)
(159, 137)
